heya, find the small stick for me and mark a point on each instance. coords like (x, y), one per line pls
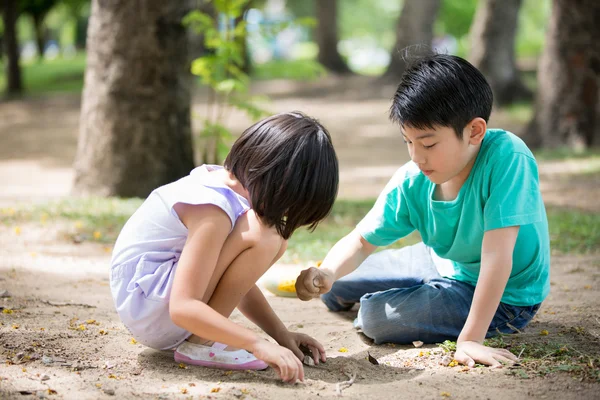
(345, 384)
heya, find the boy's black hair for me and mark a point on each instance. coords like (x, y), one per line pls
(441, 90)
(289, 167)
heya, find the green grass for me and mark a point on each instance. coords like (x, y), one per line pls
(302, 70)
(100, 220)
(561, 154)
(573, 231)
(51, 76)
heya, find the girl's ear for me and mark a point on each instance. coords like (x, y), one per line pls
(475, 130)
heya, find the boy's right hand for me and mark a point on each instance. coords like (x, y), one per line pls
(281, 359)
(313, 282)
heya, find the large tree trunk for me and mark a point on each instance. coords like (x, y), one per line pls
(493, 36)
(14, 84)
(135, 130)
(327, 37)
(414, 27)
(566, 111)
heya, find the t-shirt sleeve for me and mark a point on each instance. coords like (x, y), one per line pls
(388, 220)
(514, 197)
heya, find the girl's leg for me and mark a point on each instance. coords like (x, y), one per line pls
(388, 269)
(249, 251)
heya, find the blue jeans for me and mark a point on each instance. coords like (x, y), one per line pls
(403, 298)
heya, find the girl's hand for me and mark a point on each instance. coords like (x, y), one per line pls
(469, 352)
(280, 359)
(293, 341)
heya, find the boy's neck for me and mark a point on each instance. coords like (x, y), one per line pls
(449, 190)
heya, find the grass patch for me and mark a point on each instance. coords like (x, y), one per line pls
(301, 70)
(51, 76)
(100, 220)
(540, 357)
(573, 231)
(565, 153)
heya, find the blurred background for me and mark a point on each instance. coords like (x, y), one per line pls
(112, 99)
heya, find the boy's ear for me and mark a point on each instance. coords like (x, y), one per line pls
(475, 130)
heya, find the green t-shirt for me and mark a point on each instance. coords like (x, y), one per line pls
(502, 190)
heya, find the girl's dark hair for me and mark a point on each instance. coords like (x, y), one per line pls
(442, 90)
(288, 165)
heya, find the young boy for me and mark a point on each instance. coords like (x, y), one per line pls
(473, 195)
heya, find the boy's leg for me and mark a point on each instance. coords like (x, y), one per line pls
(247, 254)
(431, 312)
(388, 269)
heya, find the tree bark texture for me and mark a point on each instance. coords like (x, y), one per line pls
(135, 130)
(566, 110)
(493, 36)
(414, 27)
(14, 83)
(327, 37)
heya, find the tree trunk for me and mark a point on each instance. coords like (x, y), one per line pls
(493, 36)
(14, 85)
(135, 130)
(566, 110)
(415, 27)
(327, 37)
(39, 34)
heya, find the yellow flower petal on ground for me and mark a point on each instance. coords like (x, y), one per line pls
(544, 333)
(182, 366)
(7, 311)
(215, 390)
(132, 341)
(343, 350)
(97, 235)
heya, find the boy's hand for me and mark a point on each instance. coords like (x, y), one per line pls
(293, 341)
(312, 283)
(281, 359)
(470, 352)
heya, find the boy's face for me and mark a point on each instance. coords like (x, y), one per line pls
(440, 154)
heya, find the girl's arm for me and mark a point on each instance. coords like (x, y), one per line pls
(208, 228)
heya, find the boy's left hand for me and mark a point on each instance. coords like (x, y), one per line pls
(470, 352)
(293, 340)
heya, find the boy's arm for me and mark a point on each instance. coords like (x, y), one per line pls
(496, 265)
(343, 258)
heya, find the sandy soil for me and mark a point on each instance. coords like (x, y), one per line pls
(64, 340)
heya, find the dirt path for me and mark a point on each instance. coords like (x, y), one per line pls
(63, 339)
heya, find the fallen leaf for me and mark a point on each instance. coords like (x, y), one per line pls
(81, 327)
(7, 311)
(102, 332)
(24, 369)
(15, 326)
(372, 359)
(215, 390)
(544, 332)
(17, 230)
(343, 350)
(182, 366)
(51, 391)
(445, 394)
(98, 385)
(132, 341)
(91, 321)
(453, 363)
(192, 384)
(97, 235)
(183, 390)
(112, 376)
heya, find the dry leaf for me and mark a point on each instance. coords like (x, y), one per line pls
(372, 359)
(182, 366)
(544, 332)
(132, 341)
(183, 390)
(343, 350)
(215, 390)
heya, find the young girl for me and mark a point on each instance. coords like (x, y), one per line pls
(195, 248)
